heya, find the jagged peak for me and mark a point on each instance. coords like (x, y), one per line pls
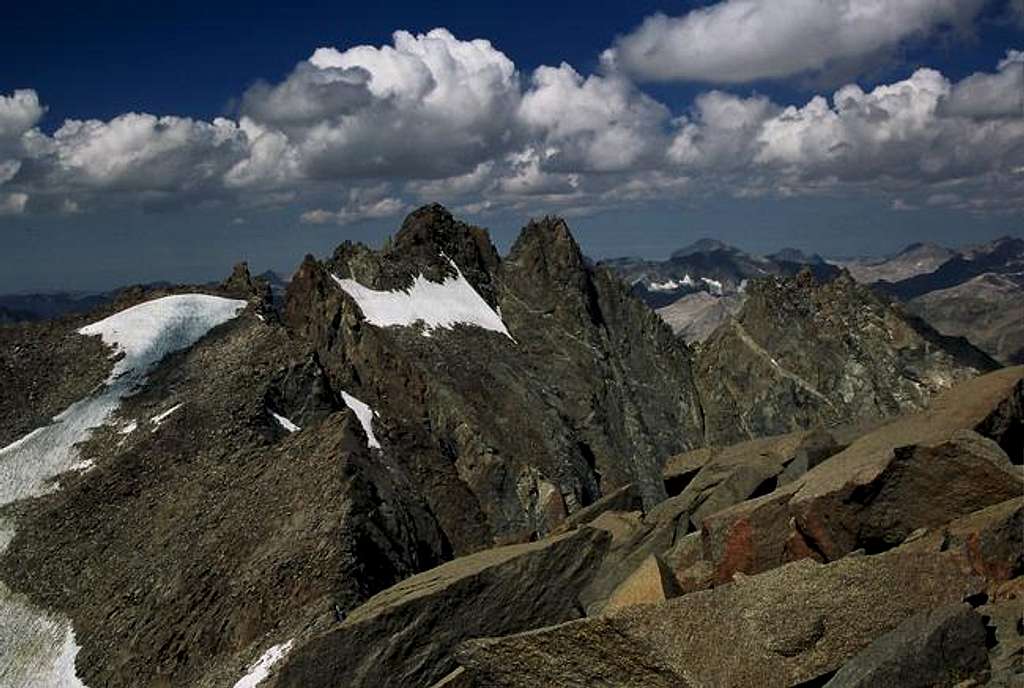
(548, 242)
(433, 230)
(704, 245)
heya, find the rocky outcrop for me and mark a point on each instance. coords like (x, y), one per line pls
(45, 367)
(506, 435)
(191, 539)
(937, 647)
(758, 631)
(404, 635)
(984, 310)
(918, 471)
(802, 352)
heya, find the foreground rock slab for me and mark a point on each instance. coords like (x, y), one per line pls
(918, 471)
(940, 647)
(796, 623)
(404, 635)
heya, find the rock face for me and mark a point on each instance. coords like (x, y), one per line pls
(916, 259)
(44, 368)
(759, 631)
(802, 352)
(284, 470)
(695, 316)
(973, 293)
(918, 471)
(404, 635)
(984, 309)
(588, 393)
(939, 647)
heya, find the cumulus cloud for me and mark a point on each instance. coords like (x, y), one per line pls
(19, 112)
(136, 152)
(13, 203)
(737, 41)
(895, 131)
(991, 95)
(594, 123)
(361, 204)
(433, 117)
(429, 106)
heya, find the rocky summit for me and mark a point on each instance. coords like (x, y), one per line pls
(435, 465)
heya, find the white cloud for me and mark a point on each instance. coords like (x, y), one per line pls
(430, 106)
(432, 117)
(595, 123)
(361, 204)
(19, 112)
(991, 95)
(895, 131)
(13, 203)
(144, 152)
(737, 41)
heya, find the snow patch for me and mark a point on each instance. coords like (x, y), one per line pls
(714, 286)
(159, 418)
(671, 284)
(129, 429)
(261, 668)
(365, 415)
(435, 304)
(82, 466)
(285, 423)
(668, 285)
(44, 644)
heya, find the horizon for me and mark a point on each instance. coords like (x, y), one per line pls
(284, 131)
(503, 248)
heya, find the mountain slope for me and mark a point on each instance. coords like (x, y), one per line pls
(277, 473)
(802, 352)
(248, 490)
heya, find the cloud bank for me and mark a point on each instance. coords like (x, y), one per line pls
(738, 41)
(369, 131)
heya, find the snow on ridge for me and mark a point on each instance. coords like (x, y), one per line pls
(713, 285)
(668, 285)
(147, 332)
(144, 334)
(285, 423)
(159, 418)
(365, 415)
(435, 304)
(260, 669)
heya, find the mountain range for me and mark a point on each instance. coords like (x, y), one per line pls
(972, 292)
(434, 465)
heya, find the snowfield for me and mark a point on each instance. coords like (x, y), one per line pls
(158, 419)
(285, 423)
(44, 646)
(365, 415)
(261, 669)
(435, 304)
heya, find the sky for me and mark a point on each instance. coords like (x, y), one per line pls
(143, 141)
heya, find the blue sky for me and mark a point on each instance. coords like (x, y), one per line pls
(627, 142)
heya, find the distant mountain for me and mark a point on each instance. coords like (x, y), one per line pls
(987, 309)
(803, 351)
(695, 316)
(795, 255)
(1002, 256)
(46, 306)
(711, 266)
(915, 259)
